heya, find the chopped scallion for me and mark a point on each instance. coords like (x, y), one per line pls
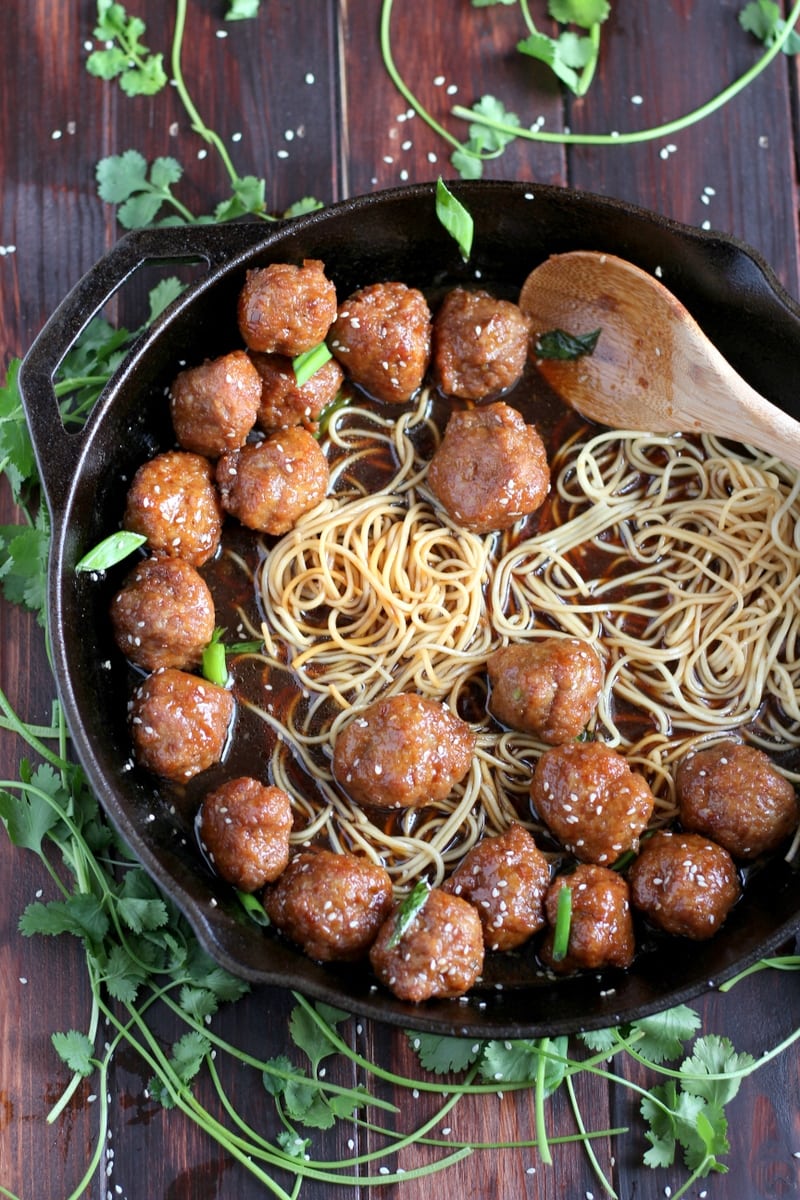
(455, 218)
(563, 922)
(112, 550)
(409, 909)
(215, 664)
(307, 364)
(253, 907)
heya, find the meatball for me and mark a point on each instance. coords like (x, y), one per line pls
(172, 502)
(244, 826)
(591, 800)
(402, 751)
(214, 405)
(601, 926)
(480, 344)
(179, 723)
(268, 485)
(163, 616)
(382, 337)
(285, 309)
(439, 955)
(733, 794)
(549, 688)
(505, 878)
(330, 904)
(283, 402)
(490, 468)
(684, 883)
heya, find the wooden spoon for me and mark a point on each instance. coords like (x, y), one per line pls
(653, 368)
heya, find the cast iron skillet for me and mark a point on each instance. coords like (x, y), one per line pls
(391, 235)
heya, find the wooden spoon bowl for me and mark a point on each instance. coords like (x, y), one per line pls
(653, 369)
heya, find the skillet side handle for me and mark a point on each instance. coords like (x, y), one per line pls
(58, 451)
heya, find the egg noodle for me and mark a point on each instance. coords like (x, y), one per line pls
(678, 559)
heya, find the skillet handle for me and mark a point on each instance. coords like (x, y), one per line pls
(58, 451)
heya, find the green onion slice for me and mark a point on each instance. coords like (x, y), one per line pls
(253, 907)
(455, 218)
(112, 550)
(563, 922)
(307, 364)
(215, 663)
(409, 909)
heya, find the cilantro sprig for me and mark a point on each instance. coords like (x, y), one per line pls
(573, 57)
(143, 193)
(125, 56)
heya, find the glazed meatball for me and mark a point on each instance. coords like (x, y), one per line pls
(244, 826)
(268, 485)
(402, 751)
(330, 904)
(601, 926)
(684, 883)
(733, 794)
(591, 800)
(549, 688)
(172, 501)
(283, 402)
(179, 723)
(382, 338)
(480, 344)
(214, 405)
(285, 309)
(490, 468)
(163, 616)
(440, 954)
(505, 878)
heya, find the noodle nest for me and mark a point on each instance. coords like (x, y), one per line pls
(678, 559)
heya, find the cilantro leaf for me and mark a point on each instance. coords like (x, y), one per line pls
(163, 294)
(549, 51)
(76, 1050)
(308, 1037)
(125, 180)
(122, 974)
(23, 571)
(764, 20)
(126, 58)
(28, 818)
(559, 345)
(443, 1055)
(714, 1055)
(518, 1061)
(666, 1032)
(306, 204)
(579, 12)
(273, 1080)
(242, 10)
(601, 1041)
(198, 1002)
(17, 459)
(492, 140)
(81, 915)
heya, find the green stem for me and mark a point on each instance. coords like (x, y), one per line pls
(541, 1131)
(587, 74)
(588, 1150)
(198, 124)
(399, 83)
(656, 131)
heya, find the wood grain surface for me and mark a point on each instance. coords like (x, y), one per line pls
(300, 95)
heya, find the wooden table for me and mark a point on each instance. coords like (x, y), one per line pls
(300, 96)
